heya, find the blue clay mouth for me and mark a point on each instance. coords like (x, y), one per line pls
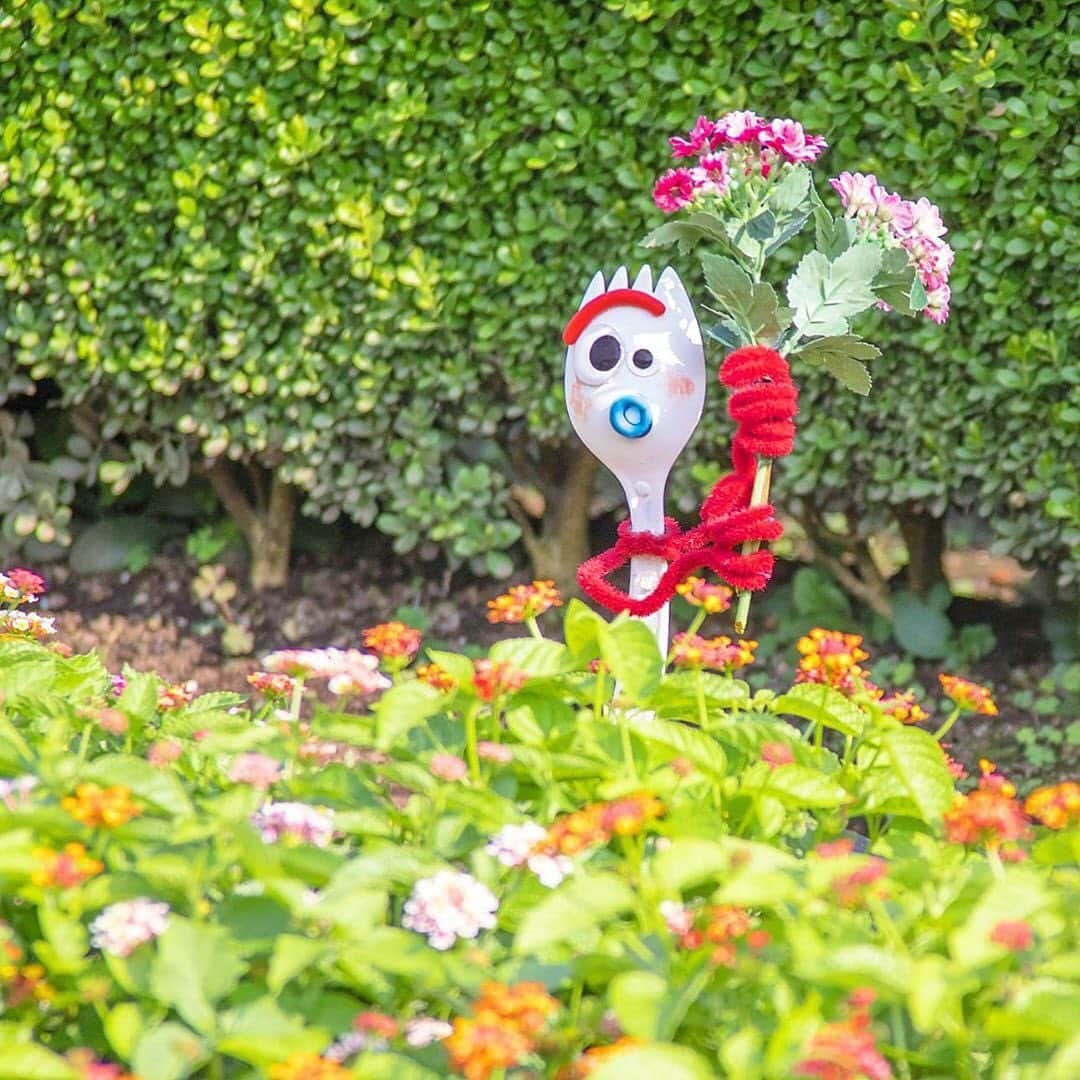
(630, 417)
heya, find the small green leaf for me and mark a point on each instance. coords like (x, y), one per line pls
(919, 765)
(661, 1060)
(577, 908)
(168, 1052)
(402, 708)
(822, 705)
(196, 965)
(700, 747)
(728, 282)
(920, 629)
(630, 652)
(637, 998)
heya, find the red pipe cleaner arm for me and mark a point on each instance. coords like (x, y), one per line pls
(763, 402)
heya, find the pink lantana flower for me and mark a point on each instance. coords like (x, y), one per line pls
(449, 906)
(277, 821)
(448, 767)
(259, 770)
(674, 190)
(515, 845)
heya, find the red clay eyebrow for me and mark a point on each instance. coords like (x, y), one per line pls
(615, 298)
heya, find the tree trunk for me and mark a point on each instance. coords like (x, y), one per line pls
(924, 537)
(560, 542)
(267, 523)
(849, 559)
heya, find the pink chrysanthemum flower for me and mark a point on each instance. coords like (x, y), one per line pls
(897, 223)
(493, 751)
(121, 928)
(739, 126)
(696, 142)
(1014, 934)
(678, 918)
(788, 138)
(857, 192)
(449, 906)
(277, 821)
(674, 190)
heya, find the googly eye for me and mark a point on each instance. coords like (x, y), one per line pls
(598, 356)
(642, 359)
(604, 353)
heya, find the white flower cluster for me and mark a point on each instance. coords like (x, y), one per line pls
(449, 906)
(514, 845)
(121, 928)
(15, 793)
(308, 824)
(27, 622)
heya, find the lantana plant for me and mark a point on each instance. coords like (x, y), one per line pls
(564, 861)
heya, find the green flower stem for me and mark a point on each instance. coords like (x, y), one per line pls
(946, 727)
(599, 688)
(9, 729)
(627, 746)
(470, 741)
(84, 744)
(900, 1040)
(698, 619)
(993, 857)
(534, 627)
(297, 700)
(699, 687)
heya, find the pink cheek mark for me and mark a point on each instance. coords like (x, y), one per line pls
(579, 400)
(680, 385)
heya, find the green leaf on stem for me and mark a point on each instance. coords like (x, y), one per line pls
(790, 192)
(822, 705)
(919, 765)
(701, 748)
(577, 908)
(196, 965)
(402, 708)
(630, 652)
(842, 355)
(825, 294)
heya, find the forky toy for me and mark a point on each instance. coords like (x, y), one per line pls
(635, 387)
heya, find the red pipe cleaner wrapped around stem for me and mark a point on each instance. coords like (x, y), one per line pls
(763, 402)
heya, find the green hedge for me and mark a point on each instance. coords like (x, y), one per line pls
(340, 239)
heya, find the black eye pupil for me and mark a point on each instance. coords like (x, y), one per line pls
(604, 353)
(642, 359)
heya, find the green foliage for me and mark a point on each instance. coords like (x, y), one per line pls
(341, 238)
(275, 944)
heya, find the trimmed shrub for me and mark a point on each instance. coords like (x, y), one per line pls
(336, 243)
